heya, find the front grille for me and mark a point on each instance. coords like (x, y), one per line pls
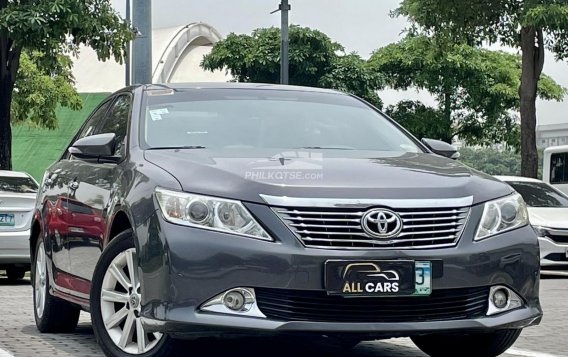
(557, 257)
(558, 236)
(299, 305)
(341, 227)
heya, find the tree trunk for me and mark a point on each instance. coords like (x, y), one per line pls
(532, 47)
(9, 64)
(5, 129)
(448, 115)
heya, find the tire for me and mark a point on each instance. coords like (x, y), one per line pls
(15, 274)
(476, 344)
(51, 314)
(120, 308)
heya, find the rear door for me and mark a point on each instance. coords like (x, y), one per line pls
(90, 191)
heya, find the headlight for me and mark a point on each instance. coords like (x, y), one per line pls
(209, 213)
(540, 231)
(502, 215)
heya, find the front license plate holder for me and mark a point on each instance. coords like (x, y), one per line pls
(372, 278)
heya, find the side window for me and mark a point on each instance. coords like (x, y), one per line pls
(94, 120)
(559, 168)
(89, 128)
(116, 122)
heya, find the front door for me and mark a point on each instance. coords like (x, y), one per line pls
(90, 191)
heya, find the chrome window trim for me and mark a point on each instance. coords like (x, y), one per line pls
(364, 203)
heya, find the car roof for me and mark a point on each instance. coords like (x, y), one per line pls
(517, 179)
(234, 85)
(6, 173)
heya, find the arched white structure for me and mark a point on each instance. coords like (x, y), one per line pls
(177, 53)
(181, 50)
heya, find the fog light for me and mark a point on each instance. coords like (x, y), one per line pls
(234, 300)
(237, 301)
(500, 298)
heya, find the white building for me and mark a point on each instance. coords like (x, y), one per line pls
(176, 56)
(551, 135)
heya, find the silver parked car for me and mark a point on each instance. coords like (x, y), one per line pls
(17, 198)
(548, 214)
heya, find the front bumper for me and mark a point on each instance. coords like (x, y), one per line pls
(182, 267)
(553, 254)
(15, 247)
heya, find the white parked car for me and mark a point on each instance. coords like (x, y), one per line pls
(17, 200)
(548, 214)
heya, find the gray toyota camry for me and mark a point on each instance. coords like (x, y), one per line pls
(197, 210)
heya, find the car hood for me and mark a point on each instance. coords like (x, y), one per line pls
(245, 174)
(549, 217)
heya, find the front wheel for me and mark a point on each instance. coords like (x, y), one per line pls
(51, 314)
(115, 304)
(489, 344)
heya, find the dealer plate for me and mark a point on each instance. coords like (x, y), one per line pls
(378, 278)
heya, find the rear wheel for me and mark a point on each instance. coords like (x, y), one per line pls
(14, 273)
(116, 304)
(478, 344)
(51, 314)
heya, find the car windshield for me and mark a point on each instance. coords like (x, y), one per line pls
(250, 119)
(17, 184)
(538, 194)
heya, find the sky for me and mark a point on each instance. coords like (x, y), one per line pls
(359, 25)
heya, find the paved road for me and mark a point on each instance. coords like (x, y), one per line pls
(19, 337)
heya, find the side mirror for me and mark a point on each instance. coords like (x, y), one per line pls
(442, 148)
(99, 147)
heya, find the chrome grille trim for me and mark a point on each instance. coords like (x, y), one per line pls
(284, 201)
(340, 228)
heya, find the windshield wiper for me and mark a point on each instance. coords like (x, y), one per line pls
(188, 147)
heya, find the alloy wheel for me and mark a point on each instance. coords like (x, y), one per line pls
(121, 305)
(40, 283)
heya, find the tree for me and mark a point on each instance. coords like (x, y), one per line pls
(37, 94)
(315, 61)
(476, 89)
(52, 27)
(421, 120)
(495, 162)
(529, 25)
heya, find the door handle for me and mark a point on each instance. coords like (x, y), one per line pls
(74, 185)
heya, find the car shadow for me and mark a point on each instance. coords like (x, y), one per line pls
(5, 282)
(82, 342)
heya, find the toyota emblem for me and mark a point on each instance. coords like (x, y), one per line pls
(381, 223)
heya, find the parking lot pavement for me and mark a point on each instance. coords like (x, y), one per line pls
(19, 337)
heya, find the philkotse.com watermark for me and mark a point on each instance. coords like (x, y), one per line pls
(287, 166)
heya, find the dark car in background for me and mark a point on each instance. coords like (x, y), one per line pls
(250, 209)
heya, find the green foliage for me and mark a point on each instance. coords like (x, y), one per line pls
(47, 30)
(315, 60)
(421, 120)
(351, 74)
(529, 25)
(54, 26)
(476, 89)
(38, 94)
(494, 161)
(476, 21)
